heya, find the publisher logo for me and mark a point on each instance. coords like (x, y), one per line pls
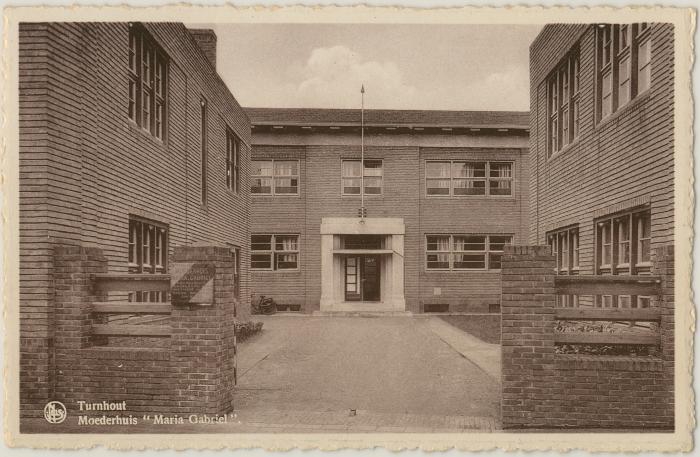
(55, 412)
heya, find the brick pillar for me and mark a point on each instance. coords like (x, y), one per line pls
(73, 267)
(527, 329)
(203, 336)
(663, 265)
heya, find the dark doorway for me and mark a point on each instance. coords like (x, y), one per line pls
(362, 278)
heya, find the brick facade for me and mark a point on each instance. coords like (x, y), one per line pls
(86, 168)
(323, 145)
(193, 372)
(542, 389)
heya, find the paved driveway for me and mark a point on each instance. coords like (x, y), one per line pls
(396, 372)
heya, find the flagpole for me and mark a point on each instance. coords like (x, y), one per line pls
(362, 154)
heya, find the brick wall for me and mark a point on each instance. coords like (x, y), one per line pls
(85, 167)
(613, 165)
(403, 156)
(542, 389)
(194, 373)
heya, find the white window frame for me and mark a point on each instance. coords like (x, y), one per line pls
(452, 252)
(274, 176)
(486, 179)
(362, 190)
(273, 252)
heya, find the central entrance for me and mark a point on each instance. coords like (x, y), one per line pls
(362, 278)
(362, 264)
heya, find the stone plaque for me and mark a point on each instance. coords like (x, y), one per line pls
(192, 283)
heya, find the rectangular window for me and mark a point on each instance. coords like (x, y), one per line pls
(469, 178)
(563, 102)
(233, 148)
(148, 253)
(274, 252)
(438, 252)
(437, 178)
(204, 148)
(148, 74)
(459, 178)
(352, 177)
(148, 246)
(644, 64)
(624, 65)
(275, 177)
(564, 244)
(623, 243)
(465, 252)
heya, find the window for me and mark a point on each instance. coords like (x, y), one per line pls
(275, 177)
(564, 244)
(623, 243)
(204, 148)
(274, 252)
(148, 70)
(624, 65)
(458, 178)
(563, 87)
(148, 253)
(352, 177)
(465, 252)
(233, 148)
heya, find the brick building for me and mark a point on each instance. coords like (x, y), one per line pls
(131, 143)
(444, 191)
(601, 147)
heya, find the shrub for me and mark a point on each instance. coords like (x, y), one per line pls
(245, 330)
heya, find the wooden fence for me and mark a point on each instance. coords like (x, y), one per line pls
(546, 385)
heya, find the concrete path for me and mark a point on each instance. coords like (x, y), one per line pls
(397, 372)
(484, 355)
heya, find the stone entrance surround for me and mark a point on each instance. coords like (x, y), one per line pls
(391, 269)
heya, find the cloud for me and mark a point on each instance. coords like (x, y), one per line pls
(331, 77)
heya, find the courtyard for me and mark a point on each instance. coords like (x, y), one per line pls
(366, 374)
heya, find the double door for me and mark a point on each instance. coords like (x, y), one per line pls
(362, 278)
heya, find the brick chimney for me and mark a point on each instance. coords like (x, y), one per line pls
(206, 39)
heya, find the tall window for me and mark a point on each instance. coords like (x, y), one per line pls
(465, 252)
(623, 244)
(352, 172)
(275, 177)
(458, 178)
(233, 148)
(204, 148)
(565, 248)
(623, 53)
(274, 252)
(564, 244)
(148, 71)
(148, 253)
(563, 87)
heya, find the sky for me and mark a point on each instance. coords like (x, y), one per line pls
(450, 67)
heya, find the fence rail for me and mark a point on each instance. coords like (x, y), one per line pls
(144, 282)
(608, 314)
(118, 282)
(125, 307)
(608, 285)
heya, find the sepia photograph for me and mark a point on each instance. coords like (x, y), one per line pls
(350, 228)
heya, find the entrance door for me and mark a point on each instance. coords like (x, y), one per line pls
(362, 278)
